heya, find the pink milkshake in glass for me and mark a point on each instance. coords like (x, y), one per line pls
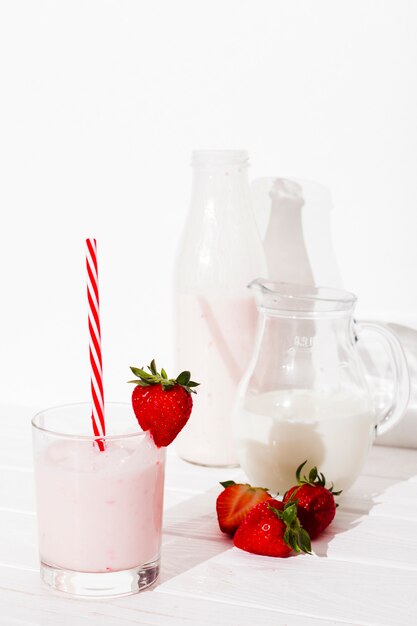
(99, 512)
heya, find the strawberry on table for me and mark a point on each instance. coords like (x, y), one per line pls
(316, 503)
(162, 405)
(235, 502)
(272, 528)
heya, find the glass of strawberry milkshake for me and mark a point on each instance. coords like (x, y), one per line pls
(99, 506)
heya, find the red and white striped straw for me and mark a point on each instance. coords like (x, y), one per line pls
(97, 392)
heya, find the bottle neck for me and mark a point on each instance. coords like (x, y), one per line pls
(221, 250)
(220, 181)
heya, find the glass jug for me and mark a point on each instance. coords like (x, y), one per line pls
(304, 395)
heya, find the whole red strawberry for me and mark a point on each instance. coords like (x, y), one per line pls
(162, 405)
(235, 502)
(316, 503)
(272, 528)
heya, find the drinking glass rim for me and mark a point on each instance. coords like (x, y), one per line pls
(92, 438)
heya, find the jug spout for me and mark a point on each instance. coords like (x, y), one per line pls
(303, 298)
(264, 285)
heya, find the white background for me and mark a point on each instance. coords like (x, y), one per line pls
(101, 104)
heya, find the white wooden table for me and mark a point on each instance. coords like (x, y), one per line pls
(364, 568)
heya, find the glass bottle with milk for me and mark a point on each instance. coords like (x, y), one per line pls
(304, 395)
(220, 253)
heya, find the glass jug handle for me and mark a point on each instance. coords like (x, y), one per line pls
(391, 414)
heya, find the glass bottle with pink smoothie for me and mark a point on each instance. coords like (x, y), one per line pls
(220, 253)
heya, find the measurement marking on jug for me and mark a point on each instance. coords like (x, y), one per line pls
(301, 341)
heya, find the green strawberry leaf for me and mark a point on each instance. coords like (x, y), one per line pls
(152, 367)
(298, 472)
(304, 541)
(141, 373)
(277, 512)
(146, 375)
(227, 483)
(155, 378)
(289, 514)
(184, 378)
(136, 371)
(139, 383)
(315, 478)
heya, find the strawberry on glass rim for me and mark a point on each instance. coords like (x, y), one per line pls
(162, 405)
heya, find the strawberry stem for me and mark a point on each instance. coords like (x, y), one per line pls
(315, 478)
(146, 379)
(295, 536)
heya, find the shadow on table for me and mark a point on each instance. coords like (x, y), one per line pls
(191, 535)
(364, 498)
